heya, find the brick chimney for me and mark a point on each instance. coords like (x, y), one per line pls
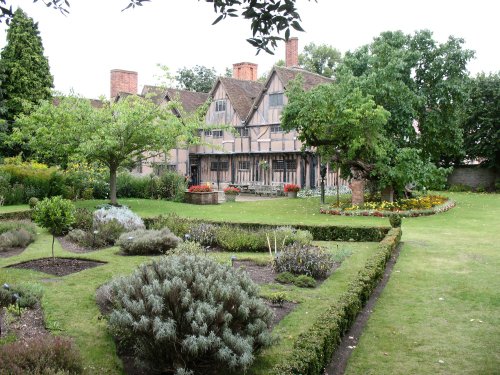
(245, 70)
(292, 52)
(123, 81)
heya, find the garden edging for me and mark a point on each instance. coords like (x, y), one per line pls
(314, 348)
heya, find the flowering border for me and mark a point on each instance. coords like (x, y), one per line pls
(449, 204)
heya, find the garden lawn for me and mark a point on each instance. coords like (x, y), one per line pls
(278, 211)
(440, 311)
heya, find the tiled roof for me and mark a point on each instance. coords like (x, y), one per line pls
(189, 100)
(241, 93)
(286, 75)
(310, 79)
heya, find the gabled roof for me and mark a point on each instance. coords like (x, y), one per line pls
(189, 100)
(241, 93)
(285, 75)
(310, 79)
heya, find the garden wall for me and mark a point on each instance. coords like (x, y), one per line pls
(474, 176)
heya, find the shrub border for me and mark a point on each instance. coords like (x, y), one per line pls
(319, 232)
(449, 204)
(314, 348)
(16, 215)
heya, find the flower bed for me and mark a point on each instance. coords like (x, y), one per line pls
(413, 207)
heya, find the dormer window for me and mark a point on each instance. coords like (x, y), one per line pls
(220, 105)
(276, 99)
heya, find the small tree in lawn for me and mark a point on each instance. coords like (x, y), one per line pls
(56, 215)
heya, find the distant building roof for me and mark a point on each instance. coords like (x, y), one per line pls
(189, 100)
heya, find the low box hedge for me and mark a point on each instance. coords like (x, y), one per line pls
(313, 349)
(16, 215)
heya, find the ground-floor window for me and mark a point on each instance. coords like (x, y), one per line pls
(219, 166)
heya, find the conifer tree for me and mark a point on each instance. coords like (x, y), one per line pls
(26, 70)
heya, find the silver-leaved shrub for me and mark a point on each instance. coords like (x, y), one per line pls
(143, 241)
(304, 260)
(123, 215)
(184, 312)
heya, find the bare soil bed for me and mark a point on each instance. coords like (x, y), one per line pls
(58, 266)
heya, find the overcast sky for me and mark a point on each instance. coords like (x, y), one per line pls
(96, 36)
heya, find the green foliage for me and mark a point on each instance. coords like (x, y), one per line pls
(459, 188)
(314, 348)
(45, 355)
(130, 186)
(180, 226)
(321, 59)
(415, 79)
(56, 214)
(395, 220)
(33, 201)
(227, 320)
(187, 248)
(304, 281)
(480, 120)
(7, 226)
(172, 186)
(143, 241)
(198, 79)
(303, 260)
(237, 239)
(16, 238)
(83, 219)
(340, 120)
(108, 233)
(113, 135)
(21, 181)
(30, 294)
(285, 277)
(205, 234)
(278, 298)
(27, 78)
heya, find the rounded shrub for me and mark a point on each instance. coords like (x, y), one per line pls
(188, 248)
(395, 220)
(33, 201)
(304, 260)
(181, 312)
(143, 241)
(123, 215)
(304, 281)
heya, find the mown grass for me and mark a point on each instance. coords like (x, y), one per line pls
(441, 303)
(440, 311)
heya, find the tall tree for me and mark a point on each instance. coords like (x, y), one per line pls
(112, 133)
(481, 120)
(27, 77)
(321, 59)
(199, 78)
(269, 18)
(420, 82)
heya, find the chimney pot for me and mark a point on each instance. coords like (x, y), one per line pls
(123, 81)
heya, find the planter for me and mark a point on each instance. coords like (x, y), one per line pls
(201, 198)
(292, 194)
(230, 197)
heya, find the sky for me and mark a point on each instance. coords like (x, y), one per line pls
(97, 36)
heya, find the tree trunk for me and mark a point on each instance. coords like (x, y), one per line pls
(358, 190)
(112, 185)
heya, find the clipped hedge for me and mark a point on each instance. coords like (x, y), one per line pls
(16, 215)
(314, 348)
(319, 232)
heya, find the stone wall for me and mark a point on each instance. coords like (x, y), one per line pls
(473, 176)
